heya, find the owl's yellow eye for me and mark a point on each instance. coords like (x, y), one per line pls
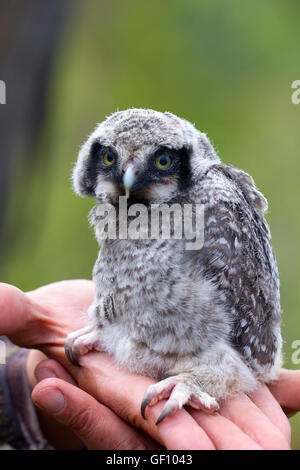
(108, 158)
(163, 161)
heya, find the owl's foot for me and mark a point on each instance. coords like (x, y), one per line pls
(81, 342)
(180, 390)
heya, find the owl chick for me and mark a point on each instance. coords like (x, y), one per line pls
(204, 323)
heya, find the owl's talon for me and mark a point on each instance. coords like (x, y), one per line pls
(145, 402)
(71, 355)
(180, 390)
(150, 398)
(80, 342)
(153, 394)
(171, 406)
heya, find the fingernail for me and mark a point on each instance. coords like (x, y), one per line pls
(51, 400)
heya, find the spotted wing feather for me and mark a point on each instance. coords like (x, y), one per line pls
(237, 257)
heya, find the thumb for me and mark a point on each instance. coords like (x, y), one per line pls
(15, 310)
(93, 423)
(286, 390)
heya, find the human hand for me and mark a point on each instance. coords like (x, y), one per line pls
(44, 317)
(80, 415)
(41, 319)
(253, 423)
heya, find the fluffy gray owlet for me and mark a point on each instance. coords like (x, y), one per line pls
(204, 323)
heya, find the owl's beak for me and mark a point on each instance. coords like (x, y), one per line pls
(128, 180)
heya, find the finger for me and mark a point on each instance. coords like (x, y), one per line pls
(13, 300)
(253, 422)
(50, 368)
(60, 437)
(94, 424)
(265, 401)
(224, 433)
(170, 430)
(286, 390)
(123, 393)
(20, 317)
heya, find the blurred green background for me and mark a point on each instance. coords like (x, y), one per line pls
(226, 66)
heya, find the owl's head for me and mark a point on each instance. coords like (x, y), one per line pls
(145, 154)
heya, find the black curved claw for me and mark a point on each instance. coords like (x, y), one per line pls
(71, 355)
(169, 409)
(145, 402)
(162, 416)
